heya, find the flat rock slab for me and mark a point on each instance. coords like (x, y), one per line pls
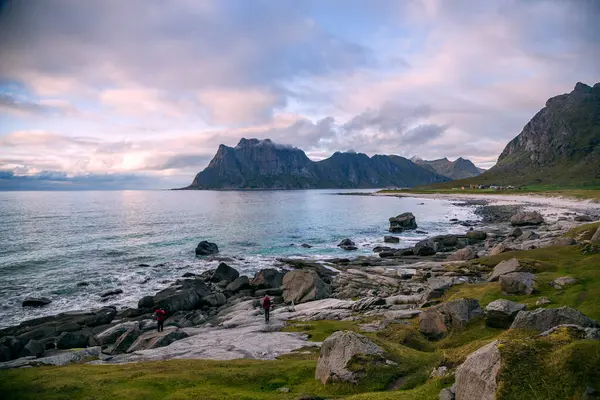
(61, 358)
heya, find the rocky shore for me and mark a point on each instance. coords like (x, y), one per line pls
(216, 315)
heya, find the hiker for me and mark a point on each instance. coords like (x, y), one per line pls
(266, 305)
(160, 318)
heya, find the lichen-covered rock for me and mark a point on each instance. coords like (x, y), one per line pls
(562, 281)
(431, 324)
(518, 283)
(403, 222)
(499, 248)
(543, 319)
(501, 313)
(301, 286)
(525, 218)
(339, 351)
(505, 267)
(476, 378)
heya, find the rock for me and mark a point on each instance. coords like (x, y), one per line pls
(525, 218)
(391, 239)
(543, 319)
(146, 302)
(113, 292)
(516, 232)
(347, 244)
(306, 245)
(111, 334)
(439, 372)
(529, 235)
(215, 300)
(36, 301)
(82, 284)
(403, 222)
(431, 324)
(501, 313)
(464, 254)
(543, 301)
(476, 235)
(447, 394)
(563, 241)
(11, 348)
(499, 248)
(240, 283)
(558, 283)
(301, 286)
(33, 348)
(284, 390)
(379, 249)
(337, 353)
(505, 267)
(476, 378)
(596, 237)
(425, 248)
(267, 278)
(459, 312)
(187, 296)
(225, 273)
(71, 340)
(188, 275)
(575, 331)
(205, 248)
(126, 340)
(269, 292)
(517, 283)
(152, 340)
(102, 316)
(583, 218)
(147, 324)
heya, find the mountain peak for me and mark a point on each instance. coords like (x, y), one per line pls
(582, 87)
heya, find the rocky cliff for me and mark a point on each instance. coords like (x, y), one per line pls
(262, 164)
(560, 145)
(457, 169)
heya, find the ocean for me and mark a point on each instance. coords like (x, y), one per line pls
(50, 241)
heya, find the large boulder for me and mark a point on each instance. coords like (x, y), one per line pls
(342, 349)
(501, 313)
(187, 295)
(583, 218)
(476, 378)
(11, 348)
(425, 248)
(154, 339)
(505, 267)
(36, 302)
(391, 239)
(126, 340)
(529, 235)
(499, 248)
(146, 302)
(111, 334)
(225, 273)
(435, 322)
(205, 248)
(268, 278)
(347, 244)
(72, 340)
(464, 254)
(238, 284)
(432, 325)
(524, 218)
(301, 286)
(518, 283)
(476, 236)
(215, 300)
(543, 319)
(33, 348)
(403, 222)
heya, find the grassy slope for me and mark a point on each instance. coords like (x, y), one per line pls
(556, 368)
(592, 193)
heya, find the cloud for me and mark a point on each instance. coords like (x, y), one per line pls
(47, 106)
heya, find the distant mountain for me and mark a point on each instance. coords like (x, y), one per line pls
(262, 164)
(560, 145)
(457, 169)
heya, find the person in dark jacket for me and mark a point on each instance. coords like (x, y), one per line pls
(266, 305)
(160, 315)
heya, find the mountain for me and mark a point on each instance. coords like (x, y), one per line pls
(262, 164)
(457, 169)
(559, 146)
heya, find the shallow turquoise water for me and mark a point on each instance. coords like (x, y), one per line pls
(49, 241)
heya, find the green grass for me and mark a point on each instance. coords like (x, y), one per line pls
(592, 193)
(549, 369)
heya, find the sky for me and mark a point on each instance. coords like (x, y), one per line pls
(140, 93)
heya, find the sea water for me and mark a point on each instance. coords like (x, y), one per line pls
(142, 241)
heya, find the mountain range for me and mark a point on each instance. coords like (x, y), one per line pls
(559, 146)
(457, 169)
(263, 164)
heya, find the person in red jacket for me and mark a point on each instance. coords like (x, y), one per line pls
(160, 315)
(266, 305)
